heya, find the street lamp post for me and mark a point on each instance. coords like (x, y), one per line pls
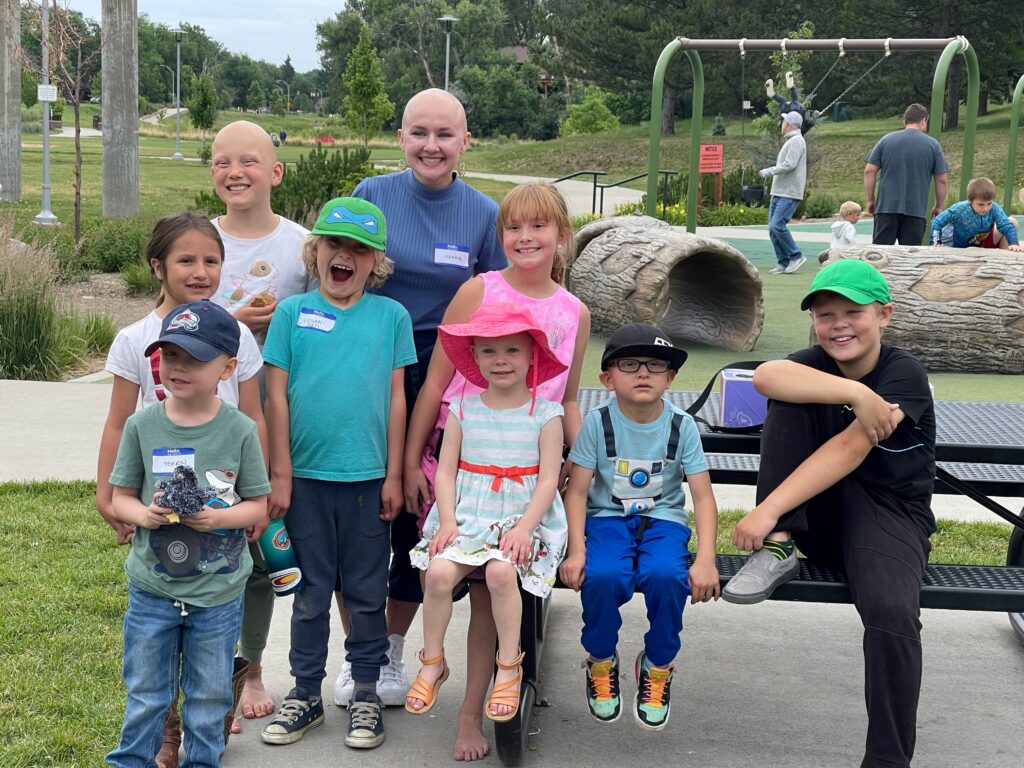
(45, 215)
(178, 34)
(172, 79)
(288, 96)
(448, 20)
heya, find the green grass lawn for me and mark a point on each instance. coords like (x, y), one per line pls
(61, 697)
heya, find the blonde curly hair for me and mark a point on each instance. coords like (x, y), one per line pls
(382, 265)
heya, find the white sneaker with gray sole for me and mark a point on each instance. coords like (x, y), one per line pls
(794, 265)
(761, 575)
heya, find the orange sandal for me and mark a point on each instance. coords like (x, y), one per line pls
(507, 693)
(422, 690)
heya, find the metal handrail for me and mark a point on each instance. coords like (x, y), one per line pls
(665, 174)
(594, 174)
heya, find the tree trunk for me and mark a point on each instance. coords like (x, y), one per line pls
(633, 269)
(957, 309)
(668, 110)
(120, 108)
(10, 101)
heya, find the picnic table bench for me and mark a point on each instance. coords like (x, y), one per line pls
(980, 444)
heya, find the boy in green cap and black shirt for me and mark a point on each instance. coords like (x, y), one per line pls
(335, 409)
(847, 468)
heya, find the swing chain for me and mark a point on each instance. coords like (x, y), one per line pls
(824, 111)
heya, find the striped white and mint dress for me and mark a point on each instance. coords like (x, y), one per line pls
(501, 438)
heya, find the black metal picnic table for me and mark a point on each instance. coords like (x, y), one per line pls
(978, 443)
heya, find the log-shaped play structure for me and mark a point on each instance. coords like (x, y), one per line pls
(957, 309)
(631, 269)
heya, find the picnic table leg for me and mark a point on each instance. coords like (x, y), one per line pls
(1015, 556)
(510, 737)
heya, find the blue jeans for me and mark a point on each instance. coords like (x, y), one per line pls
(780, 211)
(626, 553)
(161, 636)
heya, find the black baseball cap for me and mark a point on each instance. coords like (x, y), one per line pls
(202, 328)
(641, 340)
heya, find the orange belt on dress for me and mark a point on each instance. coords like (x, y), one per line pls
(512, 473)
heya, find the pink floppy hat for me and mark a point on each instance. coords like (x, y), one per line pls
(489, 322)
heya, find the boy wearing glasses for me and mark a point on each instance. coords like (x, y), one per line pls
(628, 530)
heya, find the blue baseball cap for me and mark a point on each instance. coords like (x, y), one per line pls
(202, 328)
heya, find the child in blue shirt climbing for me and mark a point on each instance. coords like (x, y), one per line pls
(969, 223)
(629, 529)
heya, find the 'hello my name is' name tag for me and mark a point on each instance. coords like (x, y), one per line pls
(451, 255)
(317, 320)
(166, 459)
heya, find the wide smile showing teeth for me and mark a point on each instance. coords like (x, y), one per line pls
(431, 160)
(842, 339)
(237, 187)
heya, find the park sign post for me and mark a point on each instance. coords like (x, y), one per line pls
(712, 158)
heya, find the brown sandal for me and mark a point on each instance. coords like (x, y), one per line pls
(422, 690)
(507, 693)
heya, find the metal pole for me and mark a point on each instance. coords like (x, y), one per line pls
(654, 148)
(447, 51)
(177, 100)
(1011, 163)
(45, 215)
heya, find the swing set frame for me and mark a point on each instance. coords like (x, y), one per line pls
(949, 46)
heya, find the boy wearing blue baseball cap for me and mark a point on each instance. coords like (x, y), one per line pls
(186, 579)
(847, 468)
(335, 361)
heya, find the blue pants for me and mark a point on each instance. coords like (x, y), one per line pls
(161, 634)
(780, 211)
(626, 553)
(338, 535)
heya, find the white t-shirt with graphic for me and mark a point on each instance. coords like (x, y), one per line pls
(270, 264)
(127, 359)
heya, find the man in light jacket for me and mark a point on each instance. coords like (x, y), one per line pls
(790, 176)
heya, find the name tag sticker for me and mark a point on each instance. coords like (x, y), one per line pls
(451, 255)
(166, 459)
(316, 320)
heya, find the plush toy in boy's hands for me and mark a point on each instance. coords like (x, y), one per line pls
(183, 494)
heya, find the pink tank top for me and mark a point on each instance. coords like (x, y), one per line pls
(558, 315)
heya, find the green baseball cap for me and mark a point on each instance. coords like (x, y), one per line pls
(355, 218)
(857, 280)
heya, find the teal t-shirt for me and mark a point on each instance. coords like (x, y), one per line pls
(339, 364)
(641, 479)
(175, 561)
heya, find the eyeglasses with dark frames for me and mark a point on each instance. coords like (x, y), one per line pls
(630, 365)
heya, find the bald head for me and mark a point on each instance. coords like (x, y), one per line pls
(435, 103)
(244, 133)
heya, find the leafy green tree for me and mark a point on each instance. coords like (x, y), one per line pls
(29, 81)
(287, 70)
(255, 98)
(202, 109)
(277, 104)
(367, 106)
(590, 116)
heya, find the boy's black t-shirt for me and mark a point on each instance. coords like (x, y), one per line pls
(899, 472)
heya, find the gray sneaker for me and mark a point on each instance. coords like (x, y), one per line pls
(794, 265)
(777, 270)
(759, 577)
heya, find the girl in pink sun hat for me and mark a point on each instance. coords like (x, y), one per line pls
(497, 504)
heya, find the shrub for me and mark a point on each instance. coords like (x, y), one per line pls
(578, 222)
(95, 330)
(590, 116)
(110, 244)
(674, 214)
(731, 215)
(820, 206)
(35, 340)
(139, 279)
(209, 203)
(316, 178)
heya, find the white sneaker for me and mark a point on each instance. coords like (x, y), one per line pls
(344, 686)
(769, 87)
(777, 271)
(794, 265)
(393, 684)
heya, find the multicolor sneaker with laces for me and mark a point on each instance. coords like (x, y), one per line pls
(298, 714)
(365, 721)
(603, 690)
(653, 694)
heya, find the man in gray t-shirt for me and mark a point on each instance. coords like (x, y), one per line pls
(909, 160)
